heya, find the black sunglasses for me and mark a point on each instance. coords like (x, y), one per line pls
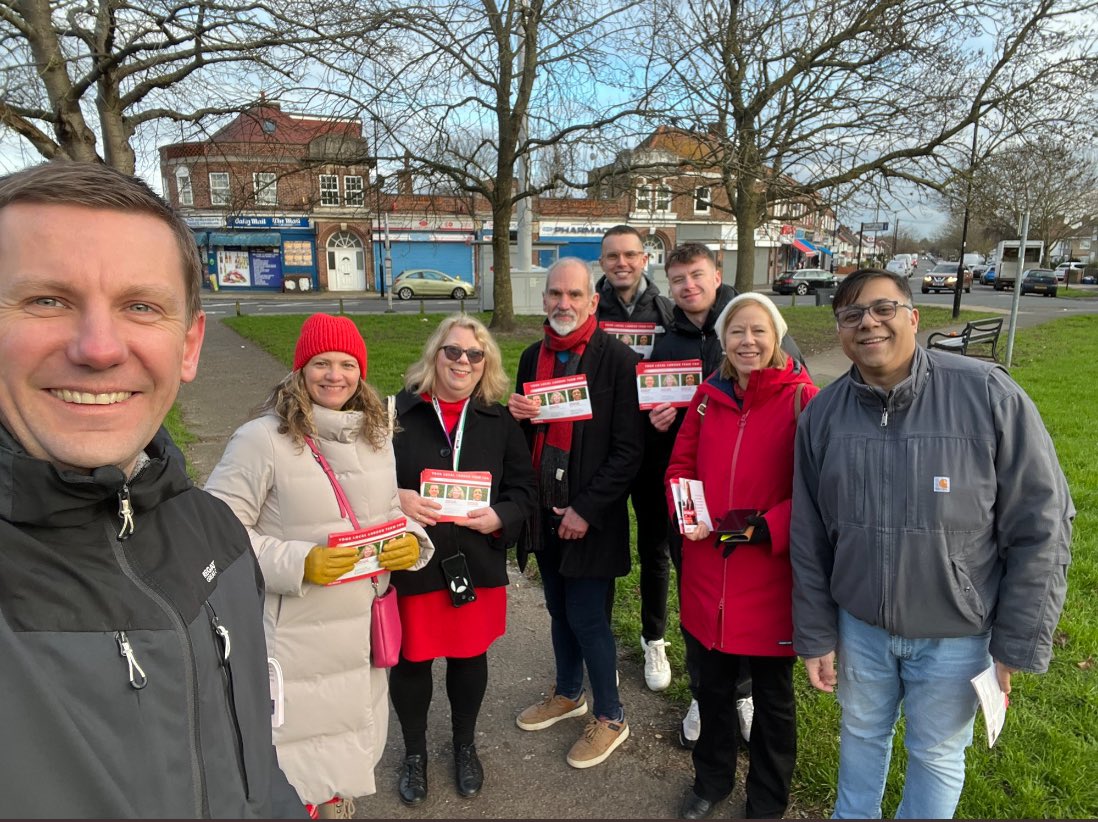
(454, 352)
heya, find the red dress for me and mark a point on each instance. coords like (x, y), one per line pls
(433, 627)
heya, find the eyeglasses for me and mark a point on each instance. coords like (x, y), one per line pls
(851, 315)
(454, 352)
(628, 256)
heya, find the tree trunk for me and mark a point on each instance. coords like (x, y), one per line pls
(503, 315)
(747, 218)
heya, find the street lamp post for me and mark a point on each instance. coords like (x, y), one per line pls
(378, 182)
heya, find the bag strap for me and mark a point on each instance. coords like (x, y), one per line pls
(391, 404)
(345, 509)
(797, 401)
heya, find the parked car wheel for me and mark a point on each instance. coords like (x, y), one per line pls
(405, 293)
(802, 289)
(926, 290)
(458, 293)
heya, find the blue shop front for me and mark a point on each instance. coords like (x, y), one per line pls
(259, 254)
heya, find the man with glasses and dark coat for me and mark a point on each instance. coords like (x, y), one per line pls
(930, 538)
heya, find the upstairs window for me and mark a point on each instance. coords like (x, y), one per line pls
(265, 185)
(329, 189)
(353, 193)
(219, 188)
(702, 200)
(183, 190)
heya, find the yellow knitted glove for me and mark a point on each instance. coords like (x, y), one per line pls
(400, 554)
(324, 564)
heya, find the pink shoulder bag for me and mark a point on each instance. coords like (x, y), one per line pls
(385, 632)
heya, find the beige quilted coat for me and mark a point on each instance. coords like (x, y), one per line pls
(336, 708)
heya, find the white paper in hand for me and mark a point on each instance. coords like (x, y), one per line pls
(993, 702)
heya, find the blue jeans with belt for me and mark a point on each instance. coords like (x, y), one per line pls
(930, 677)
(581, 632)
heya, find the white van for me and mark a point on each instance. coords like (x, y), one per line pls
(907, 261)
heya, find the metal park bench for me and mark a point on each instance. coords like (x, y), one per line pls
(977, 332)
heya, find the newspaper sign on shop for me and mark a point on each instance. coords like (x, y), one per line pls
(369, 542)
(638, 336)
(673, 382)
(458, 492)
(559, 399)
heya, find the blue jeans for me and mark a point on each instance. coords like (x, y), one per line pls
(581, 632)
(877, 671)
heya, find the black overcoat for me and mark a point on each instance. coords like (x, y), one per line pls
(605, 456)
(492, 442)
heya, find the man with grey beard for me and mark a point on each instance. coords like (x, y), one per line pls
(581, 536)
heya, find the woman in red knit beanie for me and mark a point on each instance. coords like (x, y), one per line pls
(336, 703)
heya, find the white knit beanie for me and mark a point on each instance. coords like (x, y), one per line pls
(780, 326)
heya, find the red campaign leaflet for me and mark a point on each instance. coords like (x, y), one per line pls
(369, 542)
(673, 381)
(690, 507)
(561, 399)
(638, 336)
(458, 492)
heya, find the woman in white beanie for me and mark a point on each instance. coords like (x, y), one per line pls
(736, 597)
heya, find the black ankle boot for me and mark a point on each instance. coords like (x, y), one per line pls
(413, 780)
(470, 773)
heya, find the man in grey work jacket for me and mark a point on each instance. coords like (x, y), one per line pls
(930, 540)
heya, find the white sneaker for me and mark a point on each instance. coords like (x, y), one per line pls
(657, 670)
(691, 726)
(745, 710)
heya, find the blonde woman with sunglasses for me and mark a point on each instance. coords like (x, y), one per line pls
(450, 419)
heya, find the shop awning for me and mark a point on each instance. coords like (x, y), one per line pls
(268, 239)
(201, 238)
(806, 247)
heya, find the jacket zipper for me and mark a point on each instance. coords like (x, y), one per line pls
(885, 543)
(224, 645)
(736, 454)
(724, 565)
(126, 514)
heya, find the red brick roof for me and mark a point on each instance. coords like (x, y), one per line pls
(248, 127)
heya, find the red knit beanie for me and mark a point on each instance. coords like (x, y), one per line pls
(323, 332)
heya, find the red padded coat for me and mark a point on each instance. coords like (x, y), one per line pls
(744, 458)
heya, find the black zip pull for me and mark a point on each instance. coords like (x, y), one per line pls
(138, 680)
(125, 512)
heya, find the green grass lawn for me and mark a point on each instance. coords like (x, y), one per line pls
(1045, 765)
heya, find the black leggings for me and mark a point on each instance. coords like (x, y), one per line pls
(410, 687)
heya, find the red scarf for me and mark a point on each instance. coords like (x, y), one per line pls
(559, 434)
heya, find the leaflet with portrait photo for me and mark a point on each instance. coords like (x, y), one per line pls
(560, 399)
(638, 336)
(369, 542)
(458, 492)
(690, 507)
(673, 382)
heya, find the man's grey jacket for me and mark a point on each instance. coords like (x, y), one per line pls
(936, 510)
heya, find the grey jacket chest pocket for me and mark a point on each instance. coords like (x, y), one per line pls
(950, 484)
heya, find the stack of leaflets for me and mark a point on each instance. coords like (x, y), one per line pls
(369, 542)
(672, 381)
(560, 399)
(458, 492)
